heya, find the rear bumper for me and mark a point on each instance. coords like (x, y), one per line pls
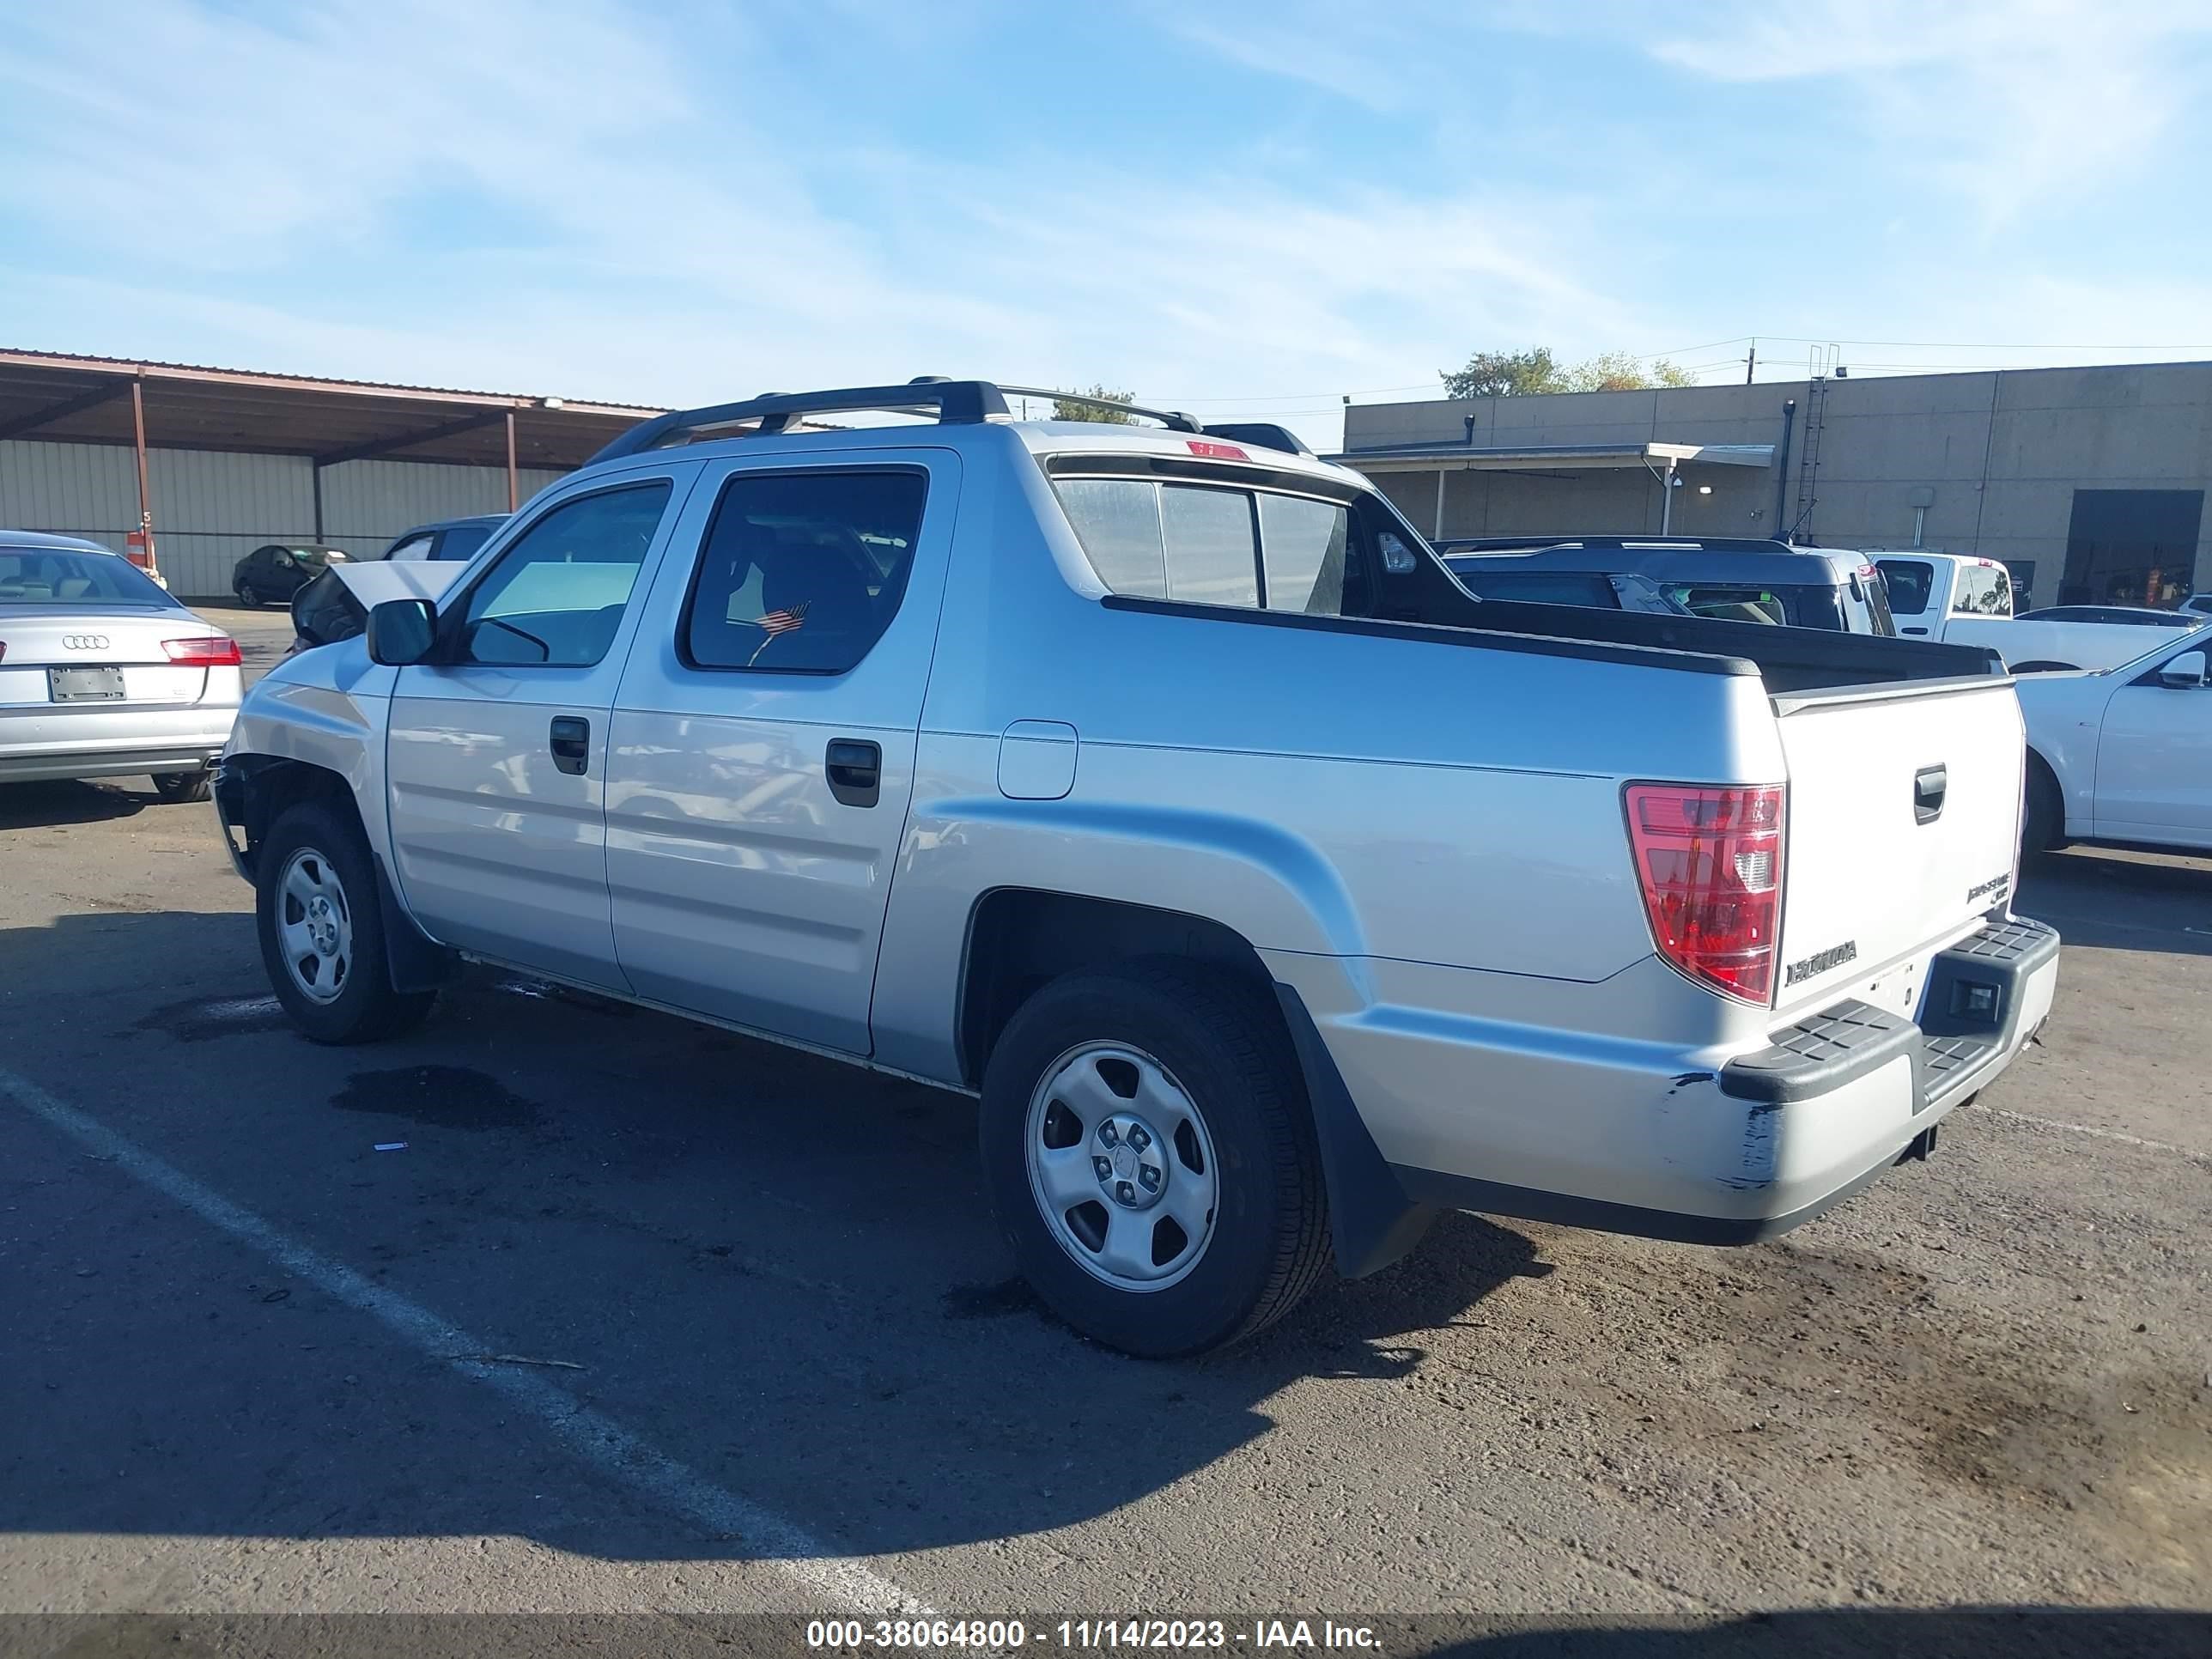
(108, 743)
(1774, 1136)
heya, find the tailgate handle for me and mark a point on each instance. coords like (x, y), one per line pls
(1929, 784)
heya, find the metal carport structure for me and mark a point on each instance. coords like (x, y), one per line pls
(65, 399)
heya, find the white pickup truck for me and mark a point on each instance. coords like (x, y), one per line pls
(1969, 601)
(1160, 787)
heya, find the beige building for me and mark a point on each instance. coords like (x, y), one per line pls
(2090, 483)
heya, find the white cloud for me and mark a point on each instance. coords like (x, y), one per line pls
(646, 236)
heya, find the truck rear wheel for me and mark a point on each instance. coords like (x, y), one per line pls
(322, 934)
(1149, 1153)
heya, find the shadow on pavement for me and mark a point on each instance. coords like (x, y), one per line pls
(775, 1270)
(46, 805)
(2114, 901)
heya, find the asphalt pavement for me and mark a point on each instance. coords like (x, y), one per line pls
(556, 1307)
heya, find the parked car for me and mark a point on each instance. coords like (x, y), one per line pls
(1271, 889)
(102, 674)
(328, 609)
(449, 541)
(1968, 601)
(1724, 578)
(274, 572)
(1496, 578)
(2123, 755)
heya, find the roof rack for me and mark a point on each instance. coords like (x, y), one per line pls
(953, 402)
(1173, 420)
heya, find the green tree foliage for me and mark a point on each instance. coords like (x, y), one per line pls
(1517, 373)
(1065, 410)
(1503, 374)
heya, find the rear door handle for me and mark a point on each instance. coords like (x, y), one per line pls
(855, 770)
(571, 743)
(1929, 785)
(1913, 630)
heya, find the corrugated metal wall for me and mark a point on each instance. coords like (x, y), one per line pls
(212, 510)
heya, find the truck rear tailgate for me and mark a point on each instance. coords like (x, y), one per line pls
(1903, 826)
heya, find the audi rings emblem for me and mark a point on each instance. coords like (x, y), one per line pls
(84, 641)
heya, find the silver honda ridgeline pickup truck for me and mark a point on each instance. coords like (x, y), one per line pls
(1158, 786)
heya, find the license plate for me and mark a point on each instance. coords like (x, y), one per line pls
(85, 684)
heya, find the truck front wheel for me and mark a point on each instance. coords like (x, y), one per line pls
(322, 934)
(1149, 1153)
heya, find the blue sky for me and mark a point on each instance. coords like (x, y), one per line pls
(1243, 210)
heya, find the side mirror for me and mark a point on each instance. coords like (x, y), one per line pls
(402, 631)
(2184, 671)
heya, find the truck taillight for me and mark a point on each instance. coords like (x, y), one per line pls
(214, 651)
(1709, 863)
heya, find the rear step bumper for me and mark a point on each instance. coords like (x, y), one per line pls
(1781, 1133)
(1976, 996)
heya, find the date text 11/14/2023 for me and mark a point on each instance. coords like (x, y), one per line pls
(855, 1635)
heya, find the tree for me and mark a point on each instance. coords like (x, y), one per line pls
(1616, 371)
(1519, 373)
(1064, 409)
(1503, 374)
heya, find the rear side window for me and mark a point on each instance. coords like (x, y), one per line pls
(1538, 586)
(1211, 557)
(1984, 590)
(1909, 581)
(1304, 543)
(1728, 604)
(554, 599)
(458, 545)
(1207, 545)
(801, 572)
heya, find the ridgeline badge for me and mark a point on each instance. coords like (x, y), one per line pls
(1834, 957)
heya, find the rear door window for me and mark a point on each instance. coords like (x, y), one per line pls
(1729, 604)
(458, 544)
(801, 572)
(1910, 581)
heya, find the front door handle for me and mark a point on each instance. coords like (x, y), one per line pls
(571, 742)
(855, 770)
(1913, 630)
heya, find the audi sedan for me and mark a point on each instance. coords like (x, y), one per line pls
(103, 675)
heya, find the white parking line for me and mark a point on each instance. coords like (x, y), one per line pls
(598, 1440)
(2124, 1138)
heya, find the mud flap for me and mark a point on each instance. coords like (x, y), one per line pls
(413, 960)
(1373, 1222)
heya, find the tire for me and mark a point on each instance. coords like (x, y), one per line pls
(1239, 1151)
(248, 596)
(2044, 829)
(313, 853)
(184, 785)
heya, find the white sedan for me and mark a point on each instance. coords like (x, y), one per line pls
(102, 674)
(2122, 754)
